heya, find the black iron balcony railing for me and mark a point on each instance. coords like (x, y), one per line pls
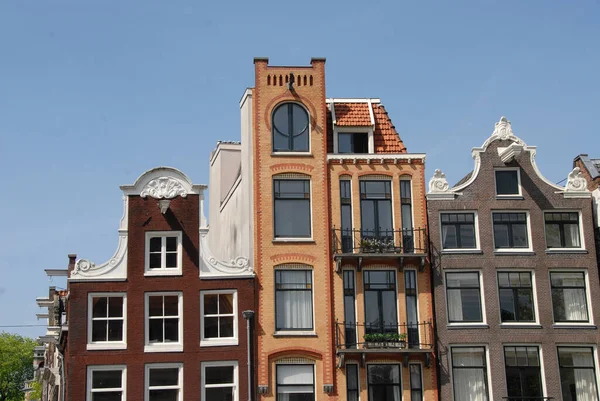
(375, 336)
(524, 398)
(382, 241)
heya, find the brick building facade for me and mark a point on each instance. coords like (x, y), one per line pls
(162, 319)
(514, 279)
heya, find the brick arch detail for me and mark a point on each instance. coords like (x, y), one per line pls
(303, 352)
(285, 258)
(367, 173)
(289, 97)
(301, 168)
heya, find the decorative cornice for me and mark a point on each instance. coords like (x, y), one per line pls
(576, 185)
(292, 257)
(438, 183)
(213, 268)
(291, 167)
(164, 188)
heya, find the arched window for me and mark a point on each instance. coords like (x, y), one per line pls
(290, 128)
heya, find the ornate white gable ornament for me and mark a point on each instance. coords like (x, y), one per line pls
(164, 188)
(438, 183)
(576, 182)
(213, 268)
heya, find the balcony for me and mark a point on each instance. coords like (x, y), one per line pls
(523, 398)
(353, 339)
(355, 244)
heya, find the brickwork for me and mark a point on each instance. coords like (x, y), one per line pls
(537, 197)
(144, 216)
(269, 91)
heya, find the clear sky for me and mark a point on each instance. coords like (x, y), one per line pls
(95, 92)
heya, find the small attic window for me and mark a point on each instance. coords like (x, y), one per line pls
(353, 142)
(508, 182)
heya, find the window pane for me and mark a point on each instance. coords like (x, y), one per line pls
(155, 306)
(567, 279)
(115, 306)
(501, 236)
(225, 303)
(155, 244)
(507, 305)
(155, 330)
(115, 330)
(99, 307)
(525, 305)
(462, 279)
(383, 374)
(164, 395)
(99, 330)
(467, 236)
(155, 261)
(226, 326)
(211, 304)
(507, 182)
(295, 374)
(449, 238)
(107, 396)
(219, 374)
(292, 218)
(171, 330)
(219, 394)
(164, 377)
(471, 305)
(171, 305)
(106, 379)
(572, 235)
(171, 244)
(361, 143)
(171, 260)
(211, 327)
(520, 239)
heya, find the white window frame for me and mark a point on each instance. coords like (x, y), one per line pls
(579, 223)
(535, 299)
(518, 195)
(98, 345)
(163, 271)
(308, 178)
(163, 347)
(488, 376)
(477, 248)
(220, 341)
(540, 355)
(358, 130)
(292, 152)
(590, 322)
(150, 366)
(92, 368)
(483, 323)
(529, 249)
(236, 386)
(307, 363)
(594, 348)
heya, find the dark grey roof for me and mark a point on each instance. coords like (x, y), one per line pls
(464, 179)
(591, 165)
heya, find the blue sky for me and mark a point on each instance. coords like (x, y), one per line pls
(93, 93)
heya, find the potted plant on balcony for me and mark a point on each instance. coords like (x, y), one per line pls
(371, 245)
(397, 340)
(375, 340)
(385, 340)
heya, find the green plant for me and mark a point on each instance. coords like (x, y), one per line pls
(384, 337)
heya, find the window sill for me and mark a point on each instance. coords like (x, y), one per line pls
(461, 326)
(520, 326)
(164, 348)
(462, 251)
(294, 334)
(514, 252)
(219, 342)
(509, 197)
(574, 326)
(106, 346)
(288, 240)
(287, 154)
(154, 273)
(566, 250)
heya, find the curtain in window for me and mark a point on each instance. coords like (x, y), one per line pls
(294, 304)
(293, 380)
(455, 308)
(572, 236)
(574, 300)
(585, 380)
(469, 383)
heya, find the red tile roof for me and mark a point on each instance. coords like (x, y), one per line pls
(348, 114)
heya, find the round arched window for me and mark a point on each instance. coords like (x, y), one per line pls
(290, 128)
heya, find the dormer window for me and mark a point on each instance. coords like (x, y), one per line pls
(290, 128)
(353, 142)
(508, 182)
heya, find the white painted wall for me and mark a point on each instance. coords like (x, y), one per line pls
(596, 198)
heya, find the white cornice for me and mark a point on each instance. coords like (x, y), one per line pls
(377, 156)
(163, 182)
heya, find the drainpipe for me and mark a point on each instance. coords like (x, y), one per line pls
(248, 315)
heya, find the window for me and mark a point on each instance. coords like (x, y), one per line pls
(106, 383)
(349, 309)
(416, 382)
(293, 300)
(352, 390)
(508, 182)
(219, 317)
(516, 297)
(295, 383)
(106, 320)
(469, 373)
(163, 253)
(464, 297)
(384, 382)
(577, 374)
(353, 142)
(412, 320)
(164, 382)
(523, 375)
(510, 230)
(220, 381)
(290, 128)
(346, 210)
(381, 313)
(569, 300)
(376, 210)
(292, 208)
(408, 242)
(164, 322)
(458, 231)
(562, 229)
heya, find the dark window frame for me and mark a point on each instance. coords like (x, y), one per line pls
(277, 197)
(347, 233)
(562, 368)
(290, 126)
(353, 142)
(349, 282)
(392, 287)
(375, 200)
(483, 367)
(521, 370)
(371, 385)
(561, 229)
(478, 288)
(457, 224)
(309, 288)
(569, 287)
(277, 385)
(352, 393)
(515, 294)
(510, 229)
(415, 390)
(518, 181)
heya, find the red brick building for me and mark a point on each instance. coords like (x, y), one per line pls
(162, 319)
